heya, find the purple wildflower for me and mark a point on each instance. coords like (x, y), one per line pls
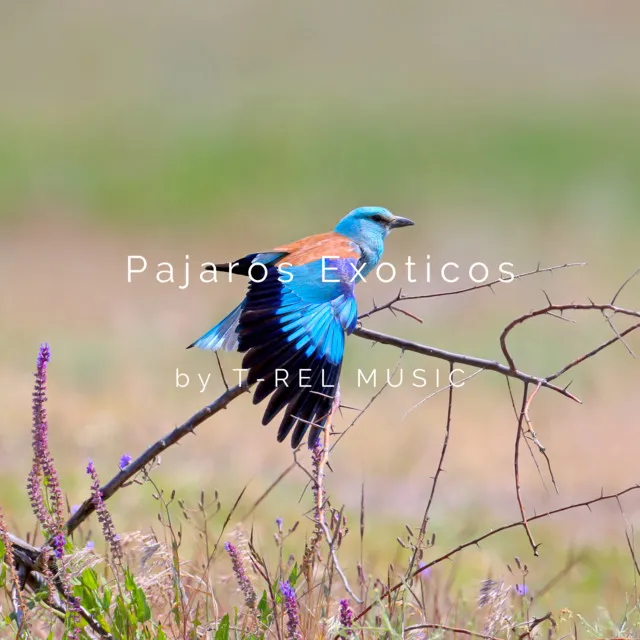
(43, 471)
(291, 609)
(104, 517)
(36, 498)
(346, 616)
(57, 543)
(45, 493)
(425, 573)
(90, 545)
(243, 581)
(279, 523)
(521, 589)
(125, 461)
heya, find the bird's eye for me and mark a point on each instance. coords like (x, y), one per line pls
(378, 218)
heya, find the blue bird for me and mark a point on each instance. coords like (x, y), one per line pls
(300, 304)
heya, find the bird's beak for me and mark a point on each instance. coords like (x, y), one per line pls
(400, 222)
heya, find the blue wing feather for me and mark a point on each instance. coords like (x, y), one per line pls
(224, 335)
(288, 326)
(310, 317)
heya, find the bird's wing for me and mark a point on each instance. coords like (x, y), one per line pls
(293, 332)
(224, 334)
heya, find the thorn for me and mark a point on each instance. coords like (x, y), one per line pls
(346, 406)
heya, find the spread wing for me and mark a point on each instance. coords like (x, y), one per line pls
(292, 331)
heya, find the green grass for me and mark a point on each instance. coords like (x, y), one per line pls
(506, 161)
(594, 579)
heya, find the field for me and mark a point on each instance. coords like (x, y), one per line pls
(508, 134)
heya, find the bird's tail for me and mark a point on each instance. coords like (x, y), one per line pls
(223, 335)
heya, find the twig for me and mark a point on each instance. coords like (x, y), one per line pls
(618, 337)
(571, 562)
(324, 456)
(87, 507)
(560, 308)
(224, 380)
(536, 622)
(615, 331)
(534, 438)
(444, 627)
(516, 465)
(269, 489)
(373, 398)
(458, 383)
(443, 452)
(458, 358)
(17, 600)
(223, 401)
(518, 523)
(486, 285)
(36, 583)
(624, 284)
(434, 484)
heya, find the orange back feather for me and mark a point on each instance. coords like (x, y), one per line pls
(316, 247)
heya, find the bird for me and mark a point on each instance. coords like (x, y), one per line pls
(299, 307)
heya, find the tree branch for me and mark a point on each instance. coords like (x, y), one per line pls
(516, 466)
(454, 630)
(374, 336)
(87, 507)
(485, 285)
(443, 452)
(477, 540)
(552, 309)
(459, 358)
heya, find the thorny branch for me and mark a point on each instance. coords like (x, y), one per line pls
(454, 630)
(374, 336)
(400, 297)
(516, 467)
(174, 436)
(443, 452)
(30, 558)
(553, 310)
(478, 539)
(458, 358)
(324, 457)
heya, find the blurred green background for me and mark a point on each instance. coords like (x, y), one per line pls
(507, 131)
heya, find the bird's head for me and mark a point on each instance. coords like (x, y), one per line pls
(369, 222)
